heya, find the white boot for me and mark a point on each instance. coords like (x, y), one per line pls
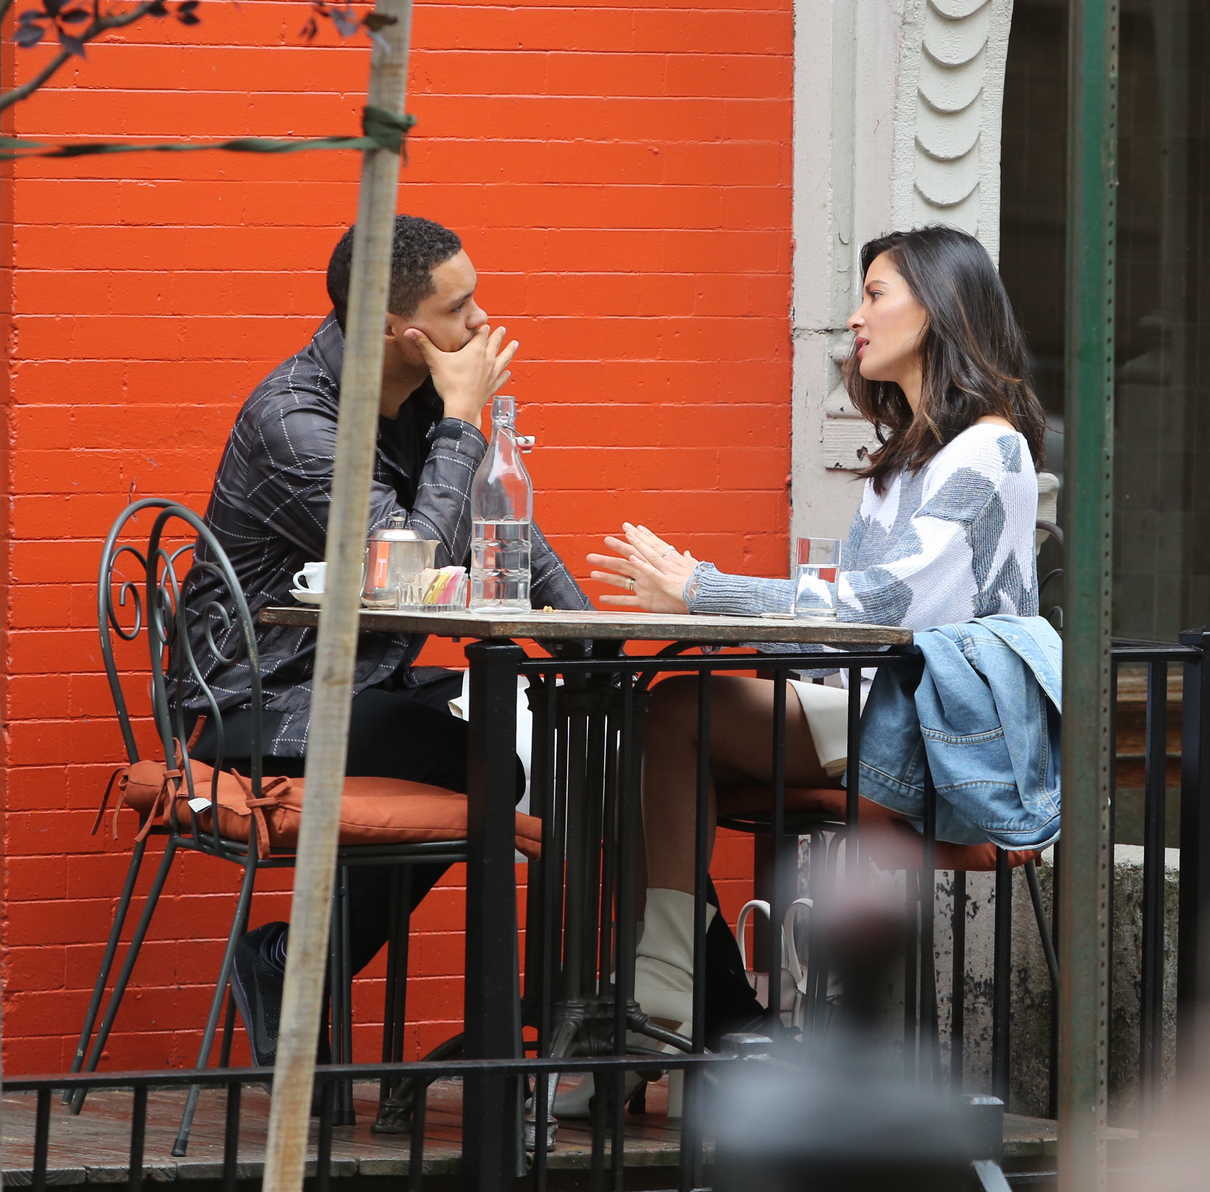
(663, 967)
(663, 988)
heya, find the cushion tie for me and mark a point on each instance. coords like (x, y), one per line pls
(118, 778)
(272, 792)
(157, 813)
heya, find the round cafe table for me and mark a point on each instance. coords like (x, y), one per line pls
(585, 780)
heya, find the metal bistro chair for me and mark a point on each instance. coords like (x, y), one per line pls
(250, 820)
(820, 817)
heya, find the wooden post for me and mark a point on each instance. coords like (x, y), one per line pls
(361, 382)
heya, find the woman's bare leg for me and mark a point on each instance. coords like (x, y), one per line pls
(741, 748)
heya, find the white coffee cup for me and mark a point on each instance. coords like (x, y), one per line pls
(311, 577)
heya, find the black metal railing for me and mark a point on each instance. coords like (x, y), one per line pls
(581, 911)
(39, 1172)
(1140, 816)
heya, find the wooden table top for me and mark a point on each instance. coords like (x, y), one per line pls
(562, 625)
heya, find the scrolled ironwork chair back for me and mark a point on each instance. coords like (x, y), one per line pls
(122, 617)
(1052, 580)
(197, 621)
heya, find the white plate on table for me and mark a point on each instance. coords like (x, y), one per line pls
(306, 596)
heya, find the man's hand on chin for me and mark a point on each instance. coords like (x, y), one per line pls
(467, 379)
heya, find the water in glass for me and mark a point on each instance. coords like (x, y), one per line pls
(502, 508)
(816, 574)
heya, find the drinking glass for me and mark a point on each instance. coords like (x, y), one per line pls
(816, 572)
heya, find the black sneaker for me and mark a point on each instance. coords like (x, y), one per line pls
(256, 985)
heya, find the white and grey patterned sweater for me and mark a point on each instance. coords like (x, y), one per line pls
(948, 543)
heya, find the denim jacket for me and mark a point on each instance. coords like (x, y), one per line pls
(979, 719)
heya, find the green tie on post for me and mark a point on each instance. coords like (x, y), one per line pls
(381, 129)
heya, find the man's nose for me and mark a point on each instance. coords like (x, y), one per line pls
(477, 318)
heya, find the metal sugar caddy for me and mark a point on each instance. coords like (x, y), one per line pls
(399, 566)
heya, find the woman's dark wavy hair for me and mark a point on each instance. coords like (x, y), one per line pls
(973, 356)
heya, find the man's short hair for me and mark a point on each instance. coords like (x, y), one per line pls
(418, 247)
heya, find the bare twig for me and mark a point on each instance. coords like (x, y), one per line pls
(100, 24)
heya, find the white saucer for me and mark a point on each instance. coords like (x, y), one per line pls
(306, 596)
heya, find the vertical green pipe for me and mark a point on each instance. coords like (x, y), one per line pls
(1087, 862)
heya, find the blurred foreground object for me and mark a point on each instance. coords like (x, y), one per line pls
(787, 1124)
(1175, 1151)
(837, 1115)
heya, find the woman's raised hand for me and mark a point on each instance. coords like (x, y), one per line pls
(653, 571)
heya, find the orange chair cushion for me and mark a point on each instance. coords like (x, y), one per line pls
(893, 843)
(373, 811)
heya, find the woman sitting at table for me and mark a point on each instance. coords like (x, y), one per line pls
(944, 533)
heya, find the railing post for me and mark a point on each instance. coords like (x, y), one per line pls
(1193, 946)
(1086, 871)
(1151, 1007)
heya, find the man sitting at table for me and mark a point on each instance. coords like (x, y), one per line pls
(269, 508)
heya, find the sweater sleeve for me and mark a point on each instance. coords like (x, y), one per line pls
(709, 590)
(945, 557)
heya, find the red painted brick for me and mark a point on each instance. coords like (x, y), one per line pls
(34, 878)
(34, 696)
(58, 922)
(35, 1056)
(127, 1050)
(705, 31)
(39, 606)
(90, 695)
(37, 968)
(621, 177)
(658, 387)
(51, 650)
(740, 76)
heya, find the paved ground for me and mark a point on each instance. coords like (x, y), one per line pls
(94, 1147)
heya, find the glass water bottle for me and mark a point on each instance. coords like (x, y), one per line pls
(502, 510)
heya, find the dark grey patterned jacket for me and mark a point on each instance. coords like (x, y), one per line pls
(269, 510)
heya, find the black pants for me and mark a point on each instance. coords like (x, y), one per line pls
(408, 733)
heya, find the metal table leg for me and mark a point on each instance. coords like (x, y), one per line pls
(580, 1017)
(493, 1029)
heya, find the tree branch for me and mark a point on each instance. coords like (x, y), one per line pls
(100, 24)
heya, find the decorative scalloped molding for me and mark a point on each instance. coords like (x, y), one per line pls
(897, 124)
(945, 160)
(951, 91)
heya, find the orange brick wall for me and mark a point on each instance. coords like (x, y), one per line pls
(621, 176)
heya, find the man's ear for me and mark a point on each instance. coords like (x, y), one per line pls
(394, 332)
(396, 325)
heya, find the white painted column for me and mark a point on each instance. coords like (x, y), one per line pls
(897, 123)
